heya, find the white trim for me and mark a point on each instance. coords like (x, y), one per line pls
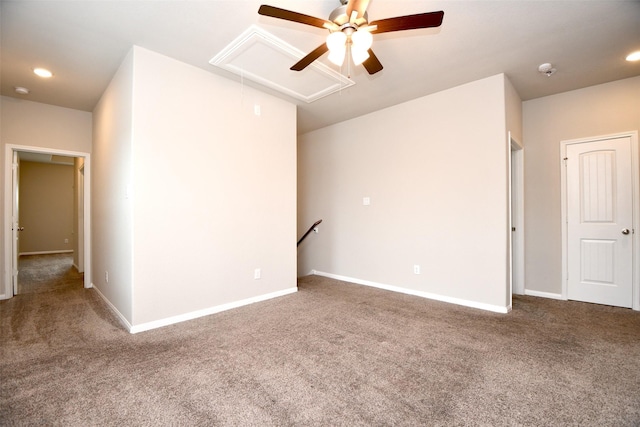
(428, 295)
(517, 238)
(510, 218)
(635, 178)
(113, 308)
(189, 316)
(134, 329)
(70, 251)
(8, 215)
(317, 75)
(541, 294)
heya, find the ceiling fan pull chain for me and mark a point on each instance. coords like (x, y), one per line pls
(242, 87)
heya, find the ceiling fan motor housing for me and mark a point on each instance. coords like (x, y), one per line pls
(340, 18)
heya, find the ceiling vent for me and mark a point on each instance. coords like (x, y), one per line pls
(263, 58)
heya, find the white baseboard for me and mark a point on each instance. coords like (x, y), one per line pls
(207, 311)
(113, 308)
(70, 251)
(428, 295)
(134, 329)
(543, 294)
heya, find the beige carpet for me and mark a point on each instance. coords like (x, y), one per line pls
(43, 273)
(333, 354)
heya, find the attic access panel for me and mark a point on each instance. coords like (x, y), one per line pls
(259, 56)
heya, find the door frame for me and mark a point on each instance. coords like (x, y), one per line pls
(635, 194)
(516, 215)
(81, 218)
(10, 149)
(15, 218)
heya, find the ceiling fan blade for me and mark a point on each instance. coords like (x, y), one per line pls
(372, 64)
(408, 22)
(276, 12)
(315, 54)
(359, 6)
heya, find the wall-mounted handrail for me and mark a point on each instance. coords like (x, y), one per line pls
(315, 224)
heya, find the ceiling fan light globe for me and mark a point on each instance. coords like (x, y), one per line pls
(337, 55)
(362, 40)
(336, 41)
(359, 55)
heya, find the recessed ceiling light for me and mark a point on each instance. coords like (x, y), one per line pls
(634, 56)
(42, 72)
(22, 90)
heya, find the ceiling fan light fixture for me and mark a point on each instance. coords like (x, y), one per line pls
(337, 44)
(359, 55)
(362, 40)
(336, 40)
(337, 55)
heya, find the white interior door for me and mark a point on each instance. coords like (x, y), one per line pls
(600, 222)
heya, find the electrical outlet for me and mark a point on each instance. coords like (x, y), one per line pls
(416, 269)
(257, 273)
(106, 276)
(66, 240)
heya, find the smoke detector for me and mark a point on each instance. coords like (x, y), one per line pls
(546, 69)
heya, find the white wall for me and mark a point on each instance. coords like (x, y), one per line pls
(112, 222)
(33, 124)
(513, 111)
(210, 188)
(598, 110)
(45, 126)
(436, 172)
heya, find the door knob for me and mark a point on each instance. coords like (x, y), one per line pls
(625, 231)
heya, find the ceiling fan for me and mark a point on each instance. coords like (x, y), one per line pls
(349, 27)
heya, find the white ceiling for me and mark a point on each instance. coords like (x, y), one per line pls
(84, 42)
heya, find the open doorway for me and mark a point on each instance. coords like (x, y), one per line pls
(73, 247)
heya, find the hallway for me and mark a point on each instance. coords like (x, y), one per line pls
(45, 273)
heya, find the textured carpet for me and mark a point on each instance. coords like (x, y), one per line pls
(333, 354)
(43, 273)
